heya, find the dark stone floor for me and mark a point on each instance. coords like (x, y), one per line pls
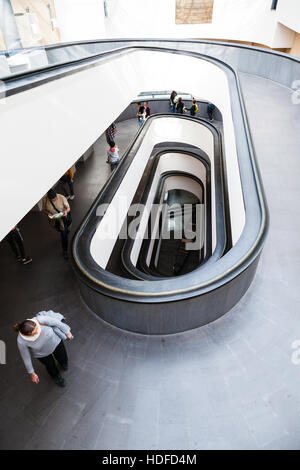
(228, 385)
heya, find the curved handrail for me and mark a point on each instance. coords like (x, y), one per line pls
(125, 255)
(133, 289)
(171, 40)
(222, 205)
(244, 250)
(46, 72)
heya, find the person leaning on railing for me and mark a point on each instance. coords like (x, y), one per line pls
(141, 113)
(180, 106)
(193, 109)
(173, 101)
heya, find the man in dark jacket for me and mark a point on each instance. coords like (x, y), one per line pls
(180, 106)
(210, 110)
(193, 109)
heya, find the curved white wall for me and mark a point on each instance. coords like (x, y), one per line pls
(288, 13)
(177, 162)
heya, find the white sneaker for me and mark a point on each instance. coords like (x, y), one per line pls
(72, 197)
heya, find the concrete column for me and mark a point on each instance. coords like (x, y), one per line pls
(8, 26)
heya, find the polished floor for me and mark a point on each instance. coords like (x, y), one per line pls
(229, 385)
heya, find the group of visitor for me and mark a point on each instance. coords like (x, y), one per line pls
(177, 106)
(143, 112)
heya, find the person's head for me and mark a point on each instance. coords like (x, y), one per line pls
(194, 101)
(174, 92)
(179, 99)
(112, 145)
(146, 104)
(138, 105)
(26, 328)
(51, 194)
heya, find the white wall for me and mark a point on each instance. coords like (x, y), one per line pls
(241, 20)
(46, 129)
(80, 19)
(177, 162)
(288, 13)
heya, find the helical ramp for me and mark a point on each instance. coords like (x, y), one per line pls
(149, 283)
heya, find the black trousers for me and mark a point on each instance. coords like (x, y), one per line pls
(15, 242)
(64, 234)
(66, 182)
(60, 354)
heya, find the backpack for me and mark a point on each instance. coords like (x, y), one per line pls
(196, 108)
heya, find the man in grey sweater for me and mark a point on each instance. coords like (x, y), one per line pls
(42, 336)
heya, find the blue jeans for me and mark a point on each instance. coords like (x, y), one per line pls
(140, 121)
(173, 108)
(114, 165)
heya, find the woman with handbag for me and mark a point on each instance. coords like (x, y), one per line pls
(42, 336)
(57, 209)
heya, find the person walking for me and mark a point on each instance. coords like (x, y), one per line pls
(110, 133)
(210, 110)
(180, 106)
(57, 208)
(194, 108)
(141, 113)
(42, 336)
(113, 156)
(173, 101)
(67, 182)
(15, 241)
